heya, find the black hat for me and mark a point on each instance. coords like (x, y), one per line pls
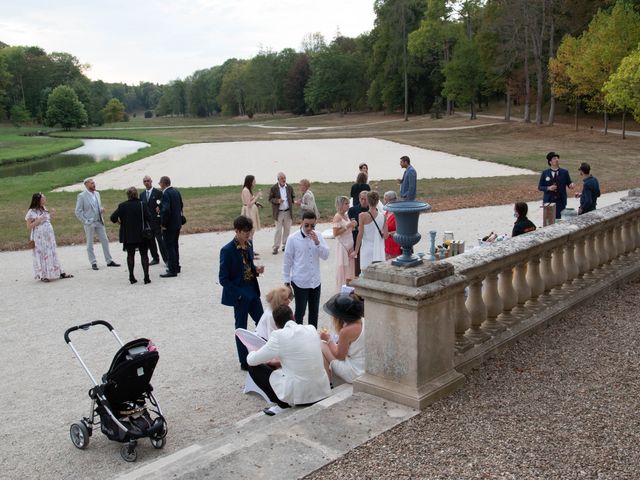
(344, 307)
(550, 155)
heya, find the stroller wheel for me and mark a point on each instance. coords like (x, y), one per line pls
(79, 435)
(128, 452)
(158, 442)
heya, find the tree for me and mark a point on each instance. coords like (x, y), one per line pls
(19, 114)
(464, 75)
(295, 83)
(65, 109)
(622, 90)
(562, 87)
(113, 111)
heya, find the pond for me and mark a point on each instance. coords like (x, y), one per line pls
(93, 150)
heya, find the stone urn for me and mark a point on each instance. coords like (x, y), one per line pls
(407, 215)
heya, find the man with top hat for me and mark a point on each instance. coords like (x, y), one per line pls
(554, 182)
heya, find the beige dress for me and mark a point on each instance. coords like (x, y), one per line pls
(345, 265)
(249, 209)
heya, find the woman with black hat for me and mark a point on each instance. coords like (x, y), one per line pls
(345, 358)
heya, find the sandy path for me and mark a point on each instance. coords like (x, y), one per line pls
(330, 160)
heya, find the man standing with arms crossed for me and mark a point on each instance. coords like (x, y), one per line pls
(408, 180)
(281, 197)
(89, 211)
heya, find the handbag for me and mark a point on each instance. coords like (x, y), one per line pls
(183, 219)
(147, 233)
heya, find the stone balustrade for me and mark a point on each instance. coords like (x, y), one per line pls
(429, 324)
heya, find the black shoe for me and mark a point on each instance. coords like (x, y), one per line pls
(283, 248)
(132, 280)
(94, 266)
(155, 261)
(113, 264)
(168, 275)
(147, 280)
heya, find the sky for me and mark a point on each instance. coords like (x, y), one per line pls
(158, 41)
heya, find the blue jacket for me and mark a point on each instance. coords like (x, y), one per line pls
(231, 275)
(408, 184)
(559, 197)
(589, 195)
(171, 209)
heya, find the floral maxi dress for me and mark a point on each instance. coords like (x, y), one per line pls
(45, 259)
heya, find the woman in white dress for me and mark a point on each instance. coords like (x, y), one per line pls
(46, 265)
(343, 233)
(345, 358)
(371, 234)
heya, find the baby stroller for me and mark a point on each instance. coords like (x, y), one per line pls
(120, 400)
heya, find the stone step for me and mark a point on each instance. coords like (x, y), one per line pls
(286, 446)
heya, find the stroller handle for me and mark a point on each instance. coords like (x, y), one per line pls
(86, 326)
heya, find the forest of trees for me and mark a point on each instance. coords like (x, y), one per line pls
(421, 56)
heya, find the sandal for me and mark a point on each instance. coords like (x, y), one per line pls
(45, 280)
(66, 275)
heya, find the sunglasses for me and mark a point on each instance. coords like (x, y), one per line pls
(309, 225)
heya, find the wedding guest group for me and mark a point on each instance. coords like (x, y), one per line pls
(46, 265)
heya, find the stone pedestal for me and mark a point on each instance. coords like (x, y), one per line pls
(410, 332)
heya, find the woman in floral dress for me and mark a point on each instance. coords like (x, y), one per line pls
(46, 265)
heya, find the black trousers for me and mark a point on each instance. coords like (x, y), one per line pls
(304, 296)
(170, 238)
(153, 248)
(260, 375)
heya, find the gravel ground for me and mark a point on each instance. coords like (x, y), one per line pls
(560, 404)
(197, 381)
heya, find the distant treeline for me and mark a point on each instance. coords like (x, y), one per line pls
(421, 56)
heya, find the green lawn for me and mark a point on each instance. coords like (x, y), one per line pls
(16, 144)
(614, 161)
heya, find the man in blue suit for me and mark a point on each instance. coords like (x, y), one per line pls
(554, 182)
(239, 279)
(171, 223)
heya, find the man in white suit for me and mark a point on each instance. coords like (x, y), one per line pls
(89, 211)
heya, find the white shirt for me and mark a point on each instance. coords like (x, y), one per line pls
(302, 378)
(266, 325)
(285, 198)
(302, 260)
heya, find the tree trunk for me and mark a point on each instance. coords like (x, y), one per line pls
(473, 110)
(404, 64)
(507, 113)
(624, 123)
(527, 82)
(575, 115)
(552, 53)
(606, 122)
(552, 110)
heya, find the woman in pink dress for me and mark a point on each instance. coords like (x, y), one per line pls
(250, 204)
(342, 231)
(46, 265)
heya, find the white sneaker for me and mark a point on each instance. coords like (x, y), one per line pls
(273, 410)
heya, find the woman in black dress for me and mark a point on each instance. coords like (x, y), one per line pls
(133, 217)
(360, 186)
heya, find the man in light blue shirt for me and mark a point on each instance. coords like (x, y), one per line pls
(408, 181)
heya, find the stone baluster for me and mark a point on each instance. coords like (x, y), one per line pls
(581, 259)
(591, 254)
(627, 237)
(546, 271)
(492, 300)
(462, 323)
(557, 264)
(509, 297)
(522, 288)
(477, 312)
(601, 253)
(635, 233)
(619, 243)
(534, 279)
(609, 245)
(570, 264)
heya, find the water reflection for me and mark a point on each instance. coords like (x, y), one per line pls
(93, 150)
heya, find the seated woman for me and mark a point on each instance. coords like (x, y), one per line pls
(346, 358)
(302, 379)
(522, 224)
(276, 297)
